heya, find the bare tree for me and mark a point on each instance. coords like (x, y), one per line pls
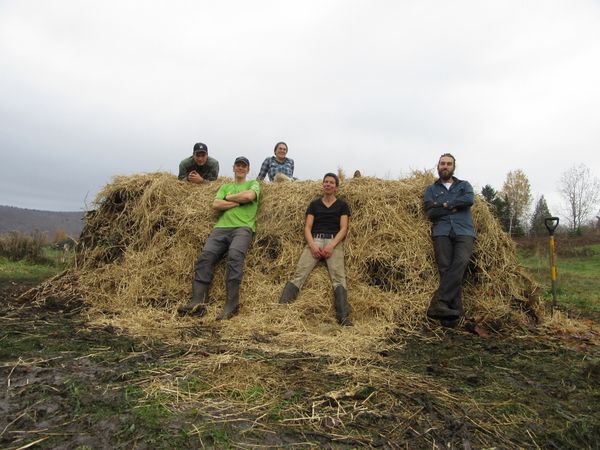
(581, 193)
(517, 194)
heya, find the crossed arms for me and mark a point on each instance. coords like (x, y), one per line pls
(434, 209)
(234, 200)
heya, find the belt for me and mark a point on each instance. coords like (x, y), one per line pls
(323, 235)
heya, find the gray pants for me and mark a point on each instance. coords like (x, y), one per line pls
(335, 265)
(234, 241)
(452, 255)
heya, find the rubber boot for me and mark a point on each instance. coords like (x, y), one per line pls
(197, 304)
(289, 294)
(441, 311)
(232, 304)
(450, 323)
(342, 307)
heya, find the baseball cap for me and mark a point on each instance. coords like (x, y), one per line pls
(200, 147)
(242, 159)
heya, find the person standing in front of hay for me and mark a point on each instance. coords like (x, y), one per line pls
(325, 228)
(278, 167)
(199, 168)
(233, 232)
(448, 204)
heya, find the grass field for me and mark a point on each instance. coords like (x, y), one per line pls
(578, 278)
(24, 271)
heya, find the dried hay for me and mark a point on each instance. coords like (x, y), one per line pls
(292, 364)
(136, 255)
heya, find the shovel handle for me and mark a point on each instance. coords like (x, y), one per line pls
(551, 224)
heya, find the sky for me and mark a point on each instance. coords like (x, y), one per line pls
(90, 90)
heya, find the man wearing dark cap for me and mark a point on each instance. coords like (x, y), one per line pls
(238, 203)
(448, 204)
(199, 167)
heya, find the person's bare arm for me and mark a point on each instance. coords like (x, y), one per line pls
(223, 205)
(242, 197)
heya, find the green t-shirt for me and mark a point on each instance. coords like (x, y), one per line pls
(243, 215)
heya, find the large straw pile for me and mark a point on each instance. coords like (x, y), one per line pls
(136, 255)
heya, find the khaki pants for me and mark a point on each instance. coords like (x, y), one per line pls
(335, 265)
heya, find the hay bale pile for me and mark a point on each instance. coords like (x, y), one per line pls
(136, 256)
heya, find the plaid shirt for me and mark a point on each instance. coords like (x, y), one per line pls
(272, 167)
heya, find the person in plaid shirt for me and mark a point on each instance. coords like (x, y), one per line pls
(278, 164)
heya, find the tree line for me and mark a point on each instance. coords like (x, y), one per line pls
(579, 190)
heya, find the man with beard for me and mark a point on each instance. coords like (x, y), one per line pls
(448, 204)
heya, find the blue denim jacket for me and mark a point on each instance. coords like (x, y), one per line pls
(457, 216)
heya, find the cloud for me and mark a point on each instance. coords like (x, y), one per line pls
(92, 90)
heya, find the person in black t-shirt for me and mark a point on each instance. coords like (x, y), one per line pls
(324, 230)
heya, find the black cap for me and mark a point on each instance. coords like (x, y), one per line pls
(200, 147)
(242, 159)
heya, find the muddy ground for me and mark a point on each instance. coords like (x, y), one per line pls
(66, 385)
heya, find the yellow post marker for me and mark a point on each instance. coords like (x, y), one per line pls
(551, 224)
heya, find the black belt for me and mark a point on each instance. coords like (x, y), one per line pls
(323, 235)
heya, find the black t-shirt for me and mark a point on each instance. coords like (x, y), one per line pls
(327, 220)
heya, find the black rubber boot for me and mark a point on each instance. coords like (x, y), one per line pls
(454, 323)
(232, 304)
(342, 307)
(441, 311)
(198, 302)
(289, 294)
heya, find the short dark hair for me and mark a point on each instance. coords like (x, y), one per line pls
(449, 155)
(334, 176)
(278, 144)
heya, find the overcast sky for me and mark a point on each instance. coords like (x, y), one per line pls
(94, 89)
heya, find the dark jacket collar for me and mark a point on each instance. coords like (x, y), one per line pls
(454, 180)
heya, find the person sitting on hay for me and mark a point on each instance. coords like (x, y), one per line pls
(233, 232)
(448, 204)
(325, 228)
(278, 167)
(199, 167)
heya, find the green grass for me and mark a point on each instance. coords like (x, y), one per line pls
(578, 278)
(25, 271)
(19, 271)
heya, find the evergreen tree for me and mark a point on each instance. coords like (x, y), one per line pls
(497, 205)
(541, 212)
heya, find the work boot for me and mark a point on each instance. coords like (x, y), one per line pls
(456, 304)
(197, 304)
(342, 307)
(232, 304)
(450, 323)
(289, 294)
(441, 311)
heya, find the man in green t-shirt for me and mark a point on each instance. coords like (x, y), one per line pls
(199, 168)
(238, 203)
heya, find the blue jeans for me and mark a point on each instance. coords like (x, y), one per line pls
(234, 241)
(452, 255)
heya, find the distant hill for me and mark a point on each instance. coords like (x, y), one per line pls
(29, 220)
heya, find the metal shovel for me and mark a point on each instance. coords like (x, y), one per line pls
(551, 224)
